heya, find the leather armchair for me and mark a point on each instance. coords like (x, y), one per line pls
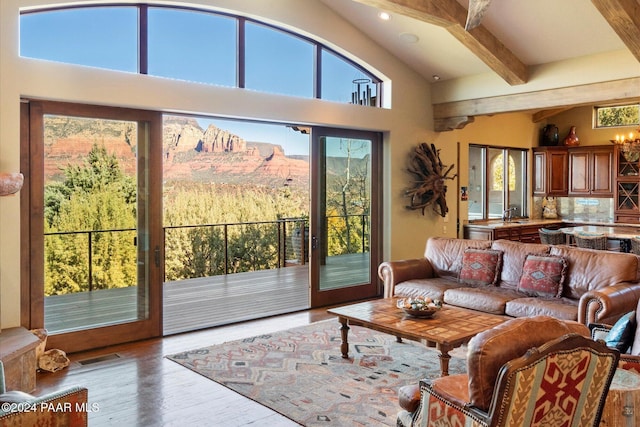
(631, 359)
(67, 407)
(506, 367)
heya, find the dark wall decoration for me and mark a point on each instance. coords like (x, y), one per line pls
(429, 184)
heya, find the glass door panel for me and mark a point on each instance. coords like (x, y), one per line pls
(90, 224)
(344, 242)
(96, 251)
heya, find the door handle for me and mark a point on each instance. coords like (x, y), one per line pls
(314, 243)
(156, 256)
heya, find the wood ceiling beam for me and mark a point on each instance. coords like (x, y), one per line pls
(452, 16)
(624, 17)
(613, 91)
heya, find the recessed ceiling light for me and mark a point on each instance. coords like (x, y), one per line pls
(436, 77)
(409, 37)
(384, 16)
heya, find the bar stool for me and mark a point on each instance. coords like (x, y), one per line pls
(591, 241)
(551, 237)
(635, 245)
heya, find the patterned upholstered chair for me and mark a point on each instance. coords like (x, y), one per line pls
(561, 382)
(66, 407)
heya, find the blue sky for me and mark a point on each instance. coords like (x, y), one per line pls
(195, 46)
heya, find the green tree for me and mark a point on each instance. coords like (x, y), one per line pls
(94, 196)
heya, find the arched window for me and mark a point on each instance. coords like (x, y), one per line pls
(196, 45)
(497, 176)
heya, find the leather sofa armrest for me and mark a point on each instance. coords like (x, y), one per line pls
(394, 272)
(606, 304)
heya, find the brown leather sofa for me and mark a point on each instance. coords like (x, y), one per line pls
(597, 286)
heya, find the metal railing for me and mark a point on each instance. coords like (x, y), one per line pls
(215, 248)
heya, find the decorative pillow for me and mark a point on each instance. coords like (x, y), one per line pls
(480, 266)
(543, 275)
(621, 334)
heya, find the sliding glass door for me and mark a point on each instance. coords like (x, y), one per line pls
(345, 216)
(96, 246)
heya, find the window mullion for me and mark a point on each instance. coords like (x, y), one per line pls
(143, 39)
(241, 52)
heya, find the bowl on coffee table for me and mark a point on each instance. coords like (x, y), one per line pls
(419, 307)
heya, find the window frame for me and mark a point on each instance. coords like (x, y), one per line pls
(143, 42)
(483, 180)
(598, 125)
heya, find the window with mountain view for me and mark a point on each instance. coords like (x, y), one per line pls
(199, 46)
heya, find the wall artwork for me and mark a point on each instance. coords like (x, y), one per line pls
(429, 185)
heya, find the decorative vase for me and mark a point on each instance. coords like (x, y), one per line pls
(571, 139)
(549, 135)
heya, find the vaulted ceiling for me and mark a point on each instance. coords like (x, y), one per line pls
(514, 37)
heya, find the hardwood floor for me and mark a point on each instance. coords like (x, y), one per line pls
(135, 385)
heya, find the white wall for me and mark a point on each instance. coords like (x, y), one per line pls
(404, 125)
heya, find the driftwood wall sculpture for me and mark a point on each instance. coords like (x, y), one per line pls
(430, 175)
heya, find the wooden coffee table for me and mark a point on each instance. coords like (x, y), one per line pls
(447, 329)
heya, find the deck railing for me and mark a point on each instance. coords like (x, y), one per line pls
(198, 250)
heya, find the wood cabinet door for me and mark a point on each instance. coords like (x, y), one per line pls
(540, 173)
(557, 173)
(602, 173)
(579, 173)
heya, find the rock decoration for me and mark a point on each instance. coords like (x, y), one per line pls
(53, 360)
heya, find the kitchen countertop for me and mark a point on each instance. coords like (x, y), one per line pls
(521, 222)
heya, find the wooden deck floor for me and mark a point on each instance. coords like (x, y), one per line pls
(200, 303)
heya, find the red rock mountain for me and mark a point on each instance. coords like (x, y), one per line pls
(190, 153)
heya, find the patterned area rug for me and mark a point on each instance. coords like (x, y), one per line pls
(300, 372)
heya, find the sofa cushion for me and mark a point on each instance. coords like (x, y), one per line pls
(488, 299)
(590, 269)
(560, 308)
(433, 288)
(445, 254)
(480, 266)
(513, 259)
(491, 349)
(542, 276)
(621, 334)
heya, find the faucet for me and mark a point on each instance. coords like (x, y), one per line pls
(507, 214)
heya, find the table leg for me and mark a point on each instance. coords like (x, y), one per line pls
(344, 331)
(444, 359)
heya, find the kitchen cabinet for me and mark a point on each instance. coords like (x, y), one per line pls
(550, 171)
(590, 171)
(627, 186)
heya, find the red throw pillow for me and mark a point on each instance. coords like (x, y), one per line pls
(543, 275)
(480, 266)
